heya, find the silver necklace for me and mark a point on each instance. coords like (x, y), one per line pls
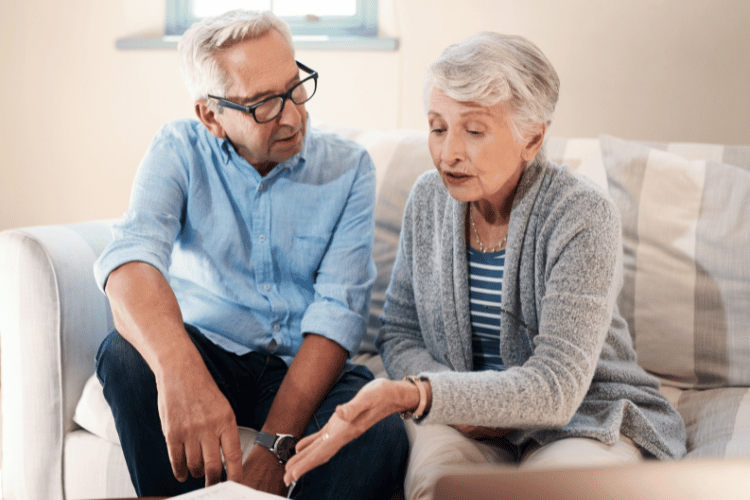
(476, 233)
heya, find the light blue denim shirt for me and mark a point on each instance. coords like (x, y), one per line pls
(255, 261)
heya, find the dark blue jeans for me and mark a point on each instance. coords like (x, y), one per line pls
(372, 466)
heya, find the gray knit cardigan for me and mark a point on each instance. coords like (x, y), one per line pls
(572, 369)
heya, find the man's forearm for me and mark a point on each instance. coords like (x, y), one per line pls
(198, 422)
(147, 315)
(310, 378)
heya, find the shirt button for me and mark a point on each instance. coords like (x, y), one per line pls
(276, 327)
(262, 237)
(267, 287)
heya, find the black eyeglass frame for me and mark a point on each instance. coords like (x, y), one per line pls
(313, 75)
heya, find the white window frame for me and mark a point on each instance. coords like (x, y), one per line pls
(364, 23)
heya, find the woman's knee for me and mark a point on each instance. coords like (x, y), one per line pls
(582, 452)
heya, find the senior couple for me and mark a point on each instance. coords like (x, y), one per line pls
(239, 280)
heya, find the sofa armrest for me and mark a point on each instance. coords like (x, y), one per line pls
(52, 319)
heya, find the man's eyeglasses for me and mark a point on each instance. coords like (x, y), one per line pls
(269, 108)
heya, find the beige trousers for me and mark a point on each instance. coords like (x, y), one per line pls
(440, 449)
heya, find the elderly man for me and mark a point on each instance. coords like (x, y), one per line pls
(239, 281)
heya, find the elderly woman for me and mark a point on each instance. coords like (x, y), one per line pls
(500, 319)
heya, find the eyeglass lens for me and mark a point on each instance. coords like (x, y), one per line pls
(301, 93)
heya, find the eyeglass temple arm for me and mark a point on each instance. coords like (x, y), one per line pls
(307, 69)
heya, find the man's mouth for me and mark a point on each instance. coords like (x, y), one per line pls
(288, 138)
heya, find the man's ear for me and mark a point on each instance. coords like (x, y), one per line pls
(535, 144)
(207, 115)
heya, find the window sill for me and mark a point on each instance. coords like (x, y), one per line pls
(355, 43)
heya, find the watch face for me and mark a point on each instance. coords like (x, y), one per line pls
(285, 447)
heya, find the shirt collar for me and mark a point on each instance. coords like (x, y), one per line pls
(292, 163)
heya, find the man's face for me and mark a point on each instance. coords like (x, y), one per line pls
(260, 68)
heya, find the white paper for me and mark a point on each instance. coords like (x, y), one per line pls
(228, 490)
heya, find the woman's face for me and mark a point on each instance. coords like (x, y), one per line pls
(473, 149)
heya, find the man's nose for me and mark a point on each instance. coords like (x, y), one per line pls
(289, 114)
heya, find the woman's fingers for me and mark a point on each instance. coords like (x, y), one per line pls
(313, 451)
(371, 404)
(306, 441)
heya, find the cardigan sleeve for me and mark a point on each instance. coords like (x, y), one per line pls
(400, 340)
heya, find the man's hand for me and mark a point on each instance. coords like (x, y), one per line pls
(262, 471)
(198, 424)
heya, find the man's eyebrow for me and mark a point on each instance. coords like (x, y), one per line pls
(263, 95)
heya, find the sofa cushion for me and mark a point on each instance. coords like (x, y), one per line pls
(686, 263)
(717, 420)
(582, 155)
(93, 413)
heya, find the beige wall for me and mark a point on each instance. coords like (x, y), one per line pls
(78, 114)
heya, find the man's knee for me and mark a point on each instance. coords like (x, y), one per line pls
(386, 442)
(120, 367)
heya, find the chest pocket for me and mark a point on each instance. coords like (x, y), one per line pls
(306, 256)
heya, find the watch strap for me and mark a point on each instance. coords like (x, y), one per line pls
(267, 440)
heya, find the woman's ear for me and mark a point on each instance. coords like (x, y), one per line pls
(208, 116)
(535, 144)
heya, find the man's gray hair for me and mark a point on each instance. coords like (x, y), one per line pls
(491, 68)
(201, 43)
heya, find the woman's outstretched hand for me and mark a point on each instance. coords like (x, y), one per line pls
(373, 402)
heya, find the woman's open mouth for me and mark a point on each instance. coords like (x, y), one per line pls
(455, 178)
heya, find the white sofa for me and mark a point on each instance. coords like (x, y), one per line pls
(686, 224)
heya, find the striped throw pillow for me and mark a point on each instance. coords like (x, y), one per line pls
(686, 235)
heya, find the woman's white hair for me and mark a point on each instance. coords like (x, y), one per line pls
(491, 68)
(201, 43)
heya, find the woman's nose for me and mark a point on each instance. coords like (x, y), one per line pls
(453, 149)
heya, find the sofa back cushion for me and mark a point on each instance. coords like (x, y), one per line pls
(686, 235)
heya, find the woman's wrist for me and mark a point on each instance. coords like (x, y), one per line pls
(419, 386)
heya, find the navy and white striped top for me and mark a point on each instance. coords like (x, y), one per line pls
(485, 293)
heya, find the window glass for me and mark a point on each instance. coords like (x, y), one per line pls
(283, 8)
(305, 17)
(205, 8)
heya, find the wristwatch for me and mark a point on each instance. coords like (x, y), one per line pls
(281, 445)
